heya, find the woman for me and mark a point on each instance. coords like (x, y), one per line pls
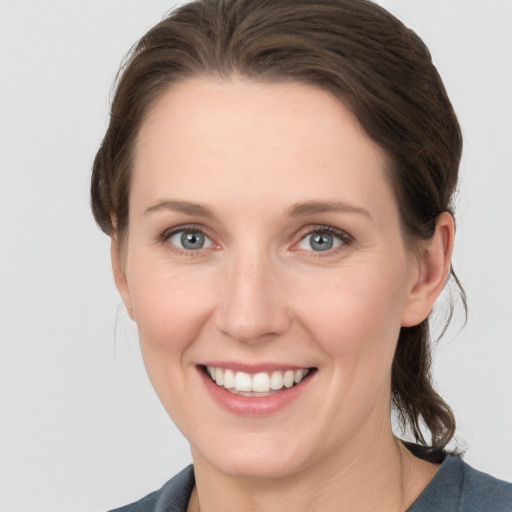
(277, 180)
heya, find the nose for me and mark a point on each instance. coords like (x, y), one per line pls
(252, 299)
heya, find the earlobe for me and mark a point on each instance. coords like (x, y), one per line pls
(119, 274)
(433, 269)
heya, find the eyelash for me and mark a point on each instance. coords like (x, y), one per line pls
(166, 235)
(345, 238)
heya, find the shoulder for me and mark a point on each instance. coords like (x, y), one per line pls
(483, 490)
(172, 497)
(457, 487)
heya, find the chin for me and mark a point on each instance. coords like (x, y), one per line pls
(267, 466)
(254, 459)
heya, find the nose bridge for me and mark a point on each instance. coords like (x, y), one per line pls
(252, 302)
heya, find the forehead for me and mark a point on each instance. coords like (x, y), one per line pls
(227, 111)
(221, 139)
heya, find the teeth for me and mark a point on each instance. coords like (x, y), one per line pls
(229, 379)
(219, 377)
(243, 381)
(276, 380)
(289, 378)
(262, 382)
(299, 375)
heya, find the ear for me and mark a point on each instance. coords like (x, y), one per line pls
(433, 267)
(119, 274)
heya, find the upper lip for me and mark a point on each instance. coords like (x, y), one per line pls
(255, 368)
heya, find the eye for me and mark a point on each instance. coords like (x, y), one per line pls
(189, 239)
(323, 239)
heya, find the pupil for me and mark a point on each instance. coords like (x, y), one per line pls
(321, 242)
(192, 240)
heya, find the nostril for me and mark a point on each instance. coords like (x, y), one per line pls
(251, 308)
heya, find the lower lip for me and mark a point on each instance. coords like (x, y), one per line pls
(253, 405)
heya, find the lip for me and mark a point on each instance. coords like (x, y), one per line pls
(252, 368)
(250, 406)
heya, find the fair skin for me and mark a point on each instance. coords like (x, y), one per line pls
(263, 238)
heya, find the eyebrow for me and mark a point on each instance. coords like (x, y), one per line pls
(314, 207)
(296, 210)
(185, 207)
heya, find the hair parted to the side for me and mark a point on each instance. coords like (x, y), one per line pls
(364, 56)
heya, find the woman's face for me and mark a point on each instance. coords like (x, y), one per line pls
(264, 245)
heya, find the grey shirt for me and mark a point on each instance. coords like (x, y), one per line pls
(456, 487)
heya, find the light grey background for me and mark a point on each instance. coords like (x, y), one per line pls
(80, 427)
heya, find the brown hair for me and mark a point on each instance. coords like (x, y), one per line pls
(363, 55)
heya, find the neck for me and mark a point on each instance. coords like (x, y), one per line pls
(380, 475)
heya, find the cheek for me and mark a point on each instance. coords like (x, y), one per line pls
(170, 307)
(170, 310)
(355, 313)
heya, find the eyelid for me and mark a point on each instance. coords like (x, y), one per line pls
(168, 233)
(341, 234)
(346, 238)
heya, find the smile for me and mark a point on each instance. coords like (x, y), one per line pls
(258, 384)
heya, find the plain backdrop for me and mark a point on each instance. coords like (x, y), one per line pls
(80, 427)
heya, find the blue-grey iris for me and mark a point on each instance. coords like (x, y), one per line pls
(321, 241)
(192, 240)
